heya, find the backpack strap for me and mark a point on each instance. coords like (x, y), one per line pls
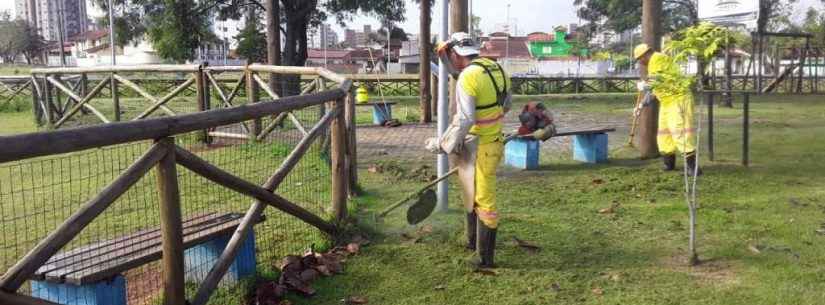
(499, 93)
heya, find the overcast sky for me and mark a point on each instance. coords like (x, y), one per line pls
(527, 15)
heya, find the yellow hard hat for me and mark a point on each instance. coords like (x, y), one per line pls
(640, 50)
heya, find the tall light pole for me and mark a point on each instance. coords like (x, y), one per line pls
(60, 31)
(443, 107)
(507, 42)
(112, 32)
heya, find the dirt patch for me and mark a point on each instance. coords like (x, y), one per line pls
(143, 284)
(714, 272)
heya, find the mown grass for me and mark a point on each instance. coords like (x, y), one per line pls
(757, 227)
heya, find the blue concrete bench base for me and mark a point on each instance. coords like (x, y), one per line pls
(522, 154)
(112, 291)
(590, 148)
(205, 238)
(381, 113)
(200, 259)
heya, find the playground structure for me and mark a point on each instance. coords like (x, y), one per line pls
(84, 225)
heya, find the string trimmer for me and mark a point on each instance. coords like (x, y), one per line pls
(425, 197)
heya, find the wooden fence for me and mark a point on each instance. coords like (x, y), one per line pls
(164, 155)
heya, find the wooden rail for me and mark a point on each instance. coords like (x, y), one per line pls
(164, 155)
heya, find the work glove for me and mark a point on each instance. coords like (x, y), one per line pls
(545, 133)
(432, 145)
(642, 86)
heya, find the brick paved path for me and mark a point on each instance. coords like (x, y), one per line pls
(407, 141)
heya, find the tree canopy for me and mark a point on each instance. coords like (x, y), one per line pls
(177, 27)
(18, 37)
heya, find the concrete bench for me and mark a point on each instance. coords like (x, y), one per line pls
(589, 146)
(93, 274)
(381, 111)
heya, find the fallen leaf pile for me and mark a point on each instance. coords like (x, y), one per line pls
(298, 273)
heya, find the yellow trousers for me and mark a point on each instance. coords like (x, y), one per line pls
(489, 156)
(676, 130)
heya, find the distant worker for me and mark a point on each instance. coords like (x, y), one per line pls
(362, 96)
(676, 132)
(474, 137)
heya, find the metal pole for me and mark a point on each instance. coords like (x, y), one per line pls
(507, 47)
(710, 126)
(443, 110)
(60, 31)
(746, 130)
(113, 84)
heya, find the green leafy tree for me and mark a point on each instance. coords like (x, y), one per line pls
(251, 40)
(176, 28)
(623, 15)
(701, 42)
(17, 37)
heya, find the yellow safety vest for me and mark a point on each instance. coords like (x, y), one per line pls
(476, 82)
(660, 63)
(362, 96)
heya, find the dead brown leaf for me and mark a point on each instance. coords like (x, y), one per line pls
(309, 275)
(611, 209)
(353, 248)
(485, 271)
(357, 300)
(360, 240)
(597, 181)
(555, 287)
(440, 287)
(754, 249)
(269, 293)
(374, 169)
(598, 291)
(530, 248)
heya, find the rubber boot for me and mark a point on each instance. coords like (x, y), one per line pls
(472, 228)
(669, 162)
(690, 163)
(486, 246)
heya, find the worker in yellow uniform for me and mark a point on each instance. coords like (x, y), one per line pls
(362, 96)
(474, 136)
(676, 131)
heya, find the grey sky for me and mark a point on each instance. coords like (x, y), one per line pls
(527, 15)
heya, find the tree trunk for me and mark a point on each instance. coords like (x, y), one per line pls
(424, 63)
(273, 41)
(648, 119)
(295, 46)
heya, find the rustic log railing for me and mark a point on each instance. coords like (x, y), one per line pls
(13, 86)
(164, 155)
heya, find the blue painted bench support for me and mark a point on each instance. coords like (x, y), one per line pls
(381, 111)
(93, 274)
(522, 153)
(589, 146)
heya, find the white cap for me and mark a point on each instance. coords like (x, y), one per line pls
(463, 44)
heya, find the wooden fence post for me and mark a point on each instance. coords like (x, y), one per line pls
(252, 98)
(200, 84)
(171, 226)
(352, 151)
(115, 98)
(338, 153)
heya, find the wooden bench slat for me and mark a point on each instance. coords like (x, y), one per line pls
(563, 133)
(71, 257)
(132, 249)
(106, 270)
(57, 272)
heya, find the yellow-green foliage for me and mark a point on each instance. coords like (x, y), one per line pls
(702, 42)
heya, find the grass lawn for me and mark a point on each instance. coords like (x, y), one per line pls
(757, 227)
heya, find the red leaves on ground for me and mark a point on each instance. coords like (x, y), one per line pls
(298, 273)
